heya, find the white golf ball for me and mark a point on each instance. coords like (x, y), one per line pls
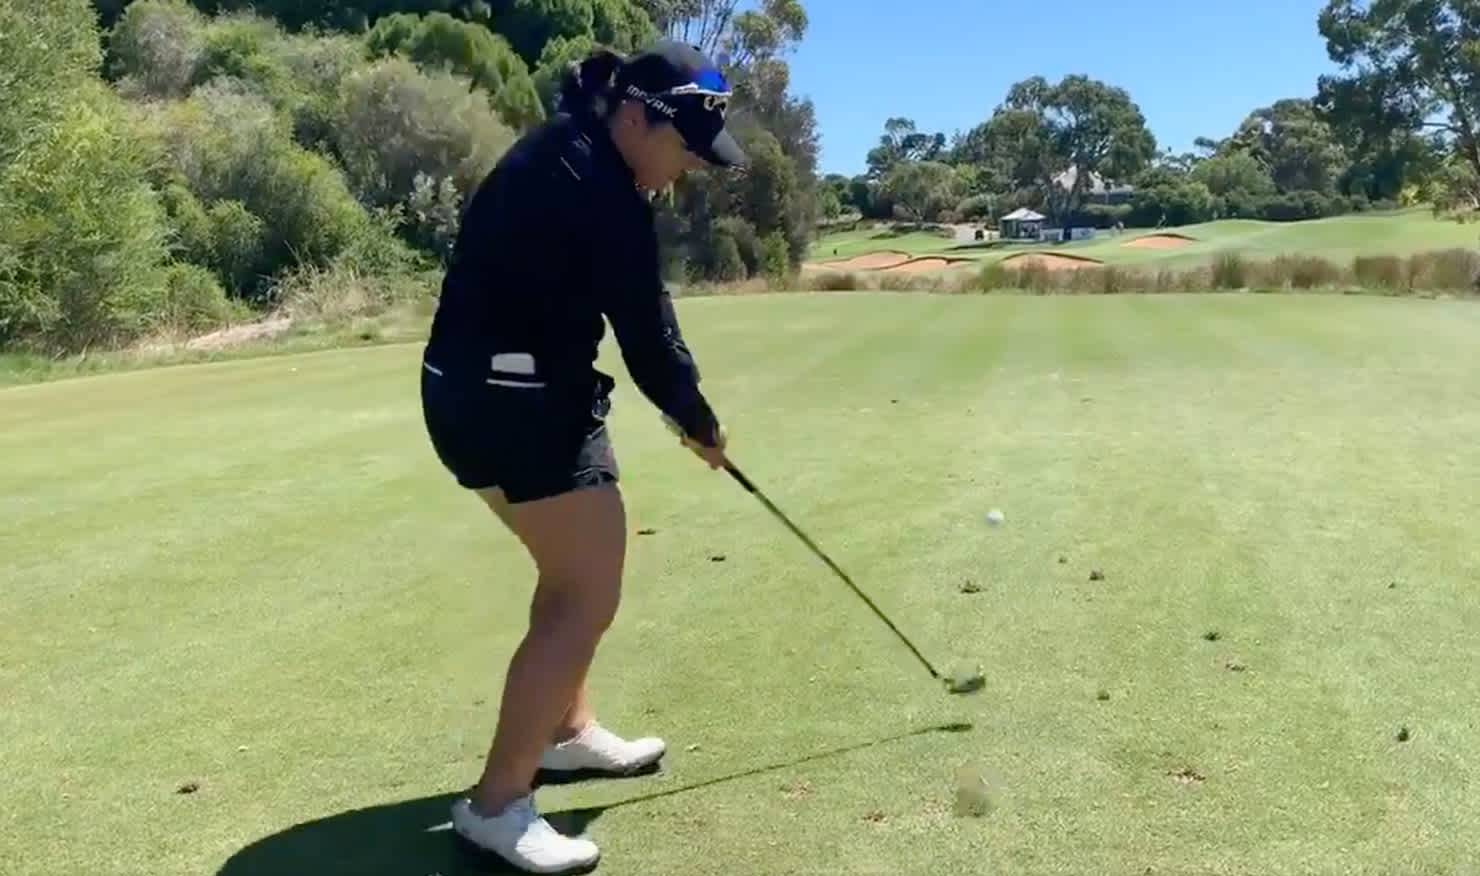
(994, 517)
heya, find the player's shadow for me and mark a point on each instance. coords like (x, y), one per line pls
(413, 837)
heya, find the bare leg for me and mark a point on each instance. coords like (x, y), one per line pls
(580, 712)
(577, 541)
(576, 717)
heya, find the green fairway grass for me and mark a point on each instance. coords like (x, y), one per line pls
(846, 244)
(255, 577)
(1339, 239)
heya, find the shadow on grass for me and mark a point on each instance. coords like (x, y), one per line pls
(413, 837)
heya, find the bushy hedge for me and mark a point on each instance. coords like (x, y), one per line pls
(182, 170)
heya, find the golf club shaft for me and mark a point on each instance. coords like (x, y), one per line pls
(770, 506)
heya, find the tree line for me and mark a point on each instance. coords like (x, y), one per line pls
(1397, 125)
(174, 164)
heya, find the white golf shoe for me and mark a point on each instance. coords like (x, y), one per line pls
(523, 838)
(596, 749)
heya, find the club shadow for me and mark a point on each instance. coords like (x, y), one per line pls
(414, 837)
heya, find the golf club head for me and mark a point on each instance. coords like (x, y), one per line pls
(965, 682)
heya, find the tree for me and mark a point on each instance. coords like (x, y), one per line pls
(776, 192)
(922, 191)
(47, 58)
(83, 237)
(1235, 172)
(902, 142)
(1165, 195)
(155, 46)
(438, 42)
(1416, 58)
(1389, 149)
(1298, 148)
(721, 28)
(1042, 134)
(834, 195)
(397, 123)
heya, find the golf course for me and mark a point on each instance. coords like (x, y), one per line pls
(1083, 478)
(251, 627)
(1338, 239)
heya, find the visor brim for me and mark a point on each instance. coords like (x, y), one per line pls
(722, 151)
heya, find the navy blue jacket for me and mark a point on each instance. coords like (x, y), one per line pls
(556, 237)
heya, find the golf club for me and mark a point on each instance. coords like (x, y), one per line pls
(964, 683)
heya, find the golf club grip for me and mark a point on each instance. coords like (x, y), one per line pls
(796, 530)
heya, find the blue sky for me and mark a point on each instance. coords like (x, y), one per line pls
(1195, 67)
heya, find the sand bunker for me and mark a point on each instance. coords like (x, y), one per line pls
(866, 262)
(1049, 261)
(1159, 241)
(916, 266)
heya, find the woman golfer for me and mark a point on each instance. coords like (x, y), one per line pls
(560, 234)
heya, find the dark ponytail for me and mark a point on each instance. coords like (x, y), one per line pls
(586, 86)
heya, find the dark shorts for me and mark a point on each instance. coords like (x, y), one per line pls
(531, 443)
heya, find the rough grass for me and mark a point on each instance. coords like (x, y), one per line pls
(1444, 272)
(314, 309)
(1237, 561)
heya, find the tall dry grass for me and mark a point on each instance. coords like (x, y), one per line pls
(1447, 271)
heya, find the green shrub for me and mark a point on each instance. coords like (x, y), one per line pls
(318, 64)
(747, 242)
(190, 224)
(225, 143)
(82, 262)
(194, 301)
(1103, 215)
(976, 207)
(240, 46)
(433, 212)
(440, 43)
(726, 265)
(47, 58)
(774, 258)
(238, 238)
(156, 47)
(396, 122)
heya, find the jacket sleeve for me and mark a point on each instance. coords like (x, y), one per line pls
(643, 319)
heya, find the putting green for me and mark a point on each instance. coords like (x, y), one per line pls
(251, 628)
